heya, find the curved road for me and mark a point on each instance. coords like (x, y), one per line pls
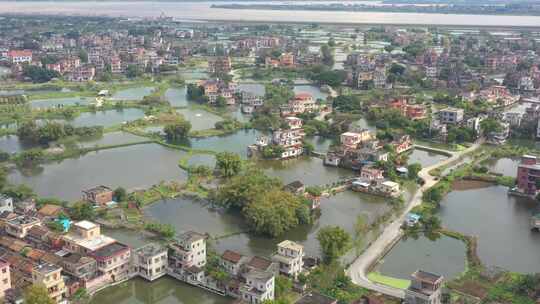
(357, 271)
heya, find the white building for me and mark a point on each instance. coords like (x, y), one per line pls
(6, 204)
(259, 287)
(451, 115)
(425, 288)
(290, 258)
(151, 261)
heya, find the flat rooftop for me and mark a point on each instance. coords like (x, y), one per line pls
(150, 250)
(92, 244)
(110, 250)
(87, 225)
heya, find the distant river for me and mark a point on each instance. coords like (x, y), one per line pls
(197, 11)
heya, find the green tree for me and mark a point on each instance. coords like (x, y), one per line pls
(334, 242)
(178, 130)
(133, 71)
(490, 125)
(37, 294)
(83, 55)
(229, 164)
(240, 190)
(221, 101)
(414, 169)
(82, 211)
(120, 194)
(38, 74)
(272, 213)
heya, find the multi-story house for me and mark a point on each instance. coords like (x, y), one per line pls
(151, 261)
(85, 237)
(82, 73)
(189, 250)
(220, 65)
(291, 140)
(451, 115)
(286, 60)
(528, 172)
(6, 203)
(259, 287)
(216, 88)
(51, 277)
(425, 288)
(232, 262)
(20, 56)
(20, 225)
(289, 257)
(99, 196)
(301, 103)
(379, 77)
(351, 140)
(114, 261)
(77, 265)
(5, 277)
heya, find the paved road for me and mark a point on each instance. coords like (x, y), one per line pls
(357, 271)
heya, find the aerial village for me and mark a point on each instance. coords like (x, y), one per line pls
(145, 160)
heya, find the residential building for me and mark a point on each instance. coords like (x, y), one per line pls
(79, 266)
(379, 77)
(113, 260)
(189, 250)
(51, 277)
(451, 115)
(19, 226)
(499, 137)
(99, 196)
(289, 257)
(220, 65)
(214, 88)
(301, 103)
(85, 237)
(286, 60)
(369, 173)
(151, 261)
(513, 118)
(425, 288)
(6, 203)
(5, 277)
(259, 287)
(353, 139)
(19, 56)
(528, 172)
(232, 262)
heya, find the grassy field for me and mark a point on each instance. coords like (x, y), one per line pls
(388, 281)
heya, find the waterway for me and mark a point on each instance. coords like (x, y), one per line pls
(12, 144)
(202, 11)
(177, 97)
(133, 93)
(500, 222)
(425, 158)
(162, 291)
(200, 119)
(309, 170)
(111, 138)
(58, 102)
(444, 256)
(504, 166)
(342, 210)
(236, 142)
(130, 167)
(106, 118)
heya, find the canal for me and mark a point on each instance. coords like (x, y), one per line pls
(130, 167)
(500, 222)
